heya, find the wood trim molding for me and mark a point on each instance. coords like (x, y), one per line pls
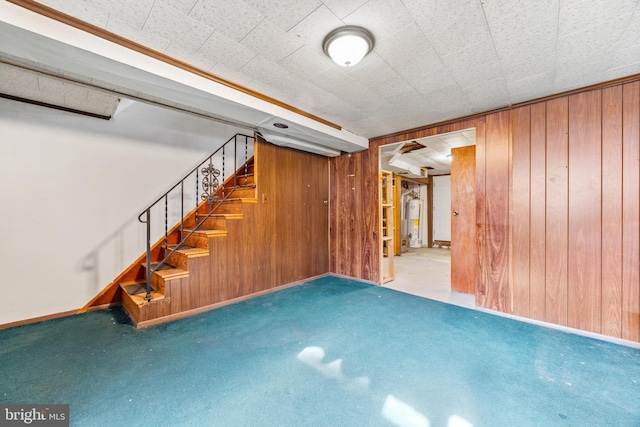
(119, 40)
(203, 309)
(509, 107)
(39, 319)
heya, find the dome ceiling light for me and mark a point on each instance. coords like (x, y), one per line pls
(348, 45)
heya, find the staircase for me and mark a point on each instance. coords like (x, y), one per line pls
(174, 276)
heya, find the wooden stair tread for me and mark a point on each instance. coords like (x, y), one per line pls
(241, 200)
(135, 287)
(227, 216)
(207, 232)
(168, 271)
(190, 251)
(140, 301)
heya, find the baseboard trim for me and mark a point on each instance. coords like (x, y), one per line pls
(203, 309)
(38, 319)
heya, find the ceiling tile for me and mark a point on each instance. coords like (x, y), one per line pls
(499, 9)
(527, 88)
(513, 70)
(232, 18)
(313, 28)
(435, 16)
(83, 11)
(575, 17)
(372, 72)
(135, 13)
(593, 43)
(146, 38)
(624, 57)
(306, 63)
(184, 54)
(169, 23)
(392, 87)
(14, 77)
(184, 6)
(470, 30)
(471, 74)
(230, 74)
(627, 70)
(533, 29)
(409, 53)
(381, 17)
(284, 13)
(342, 8)
(219, 48)
(271, 41)
(428, 82)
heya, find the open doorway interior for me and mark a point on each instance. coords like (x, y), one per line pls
(421, 171)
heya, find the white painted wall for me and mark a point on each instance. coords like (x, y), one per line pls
(71, 190)
(442, 207)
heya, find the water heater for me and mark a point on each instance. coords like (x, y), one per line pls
(414, 214)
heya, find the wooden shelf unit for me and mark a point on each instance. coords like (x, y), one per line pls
(387, 226)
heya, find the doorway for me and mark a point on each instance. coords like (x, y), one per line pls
(423, 262)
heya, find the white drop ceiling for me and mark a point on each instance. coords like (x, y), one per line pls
(433, 60)
(420, 157)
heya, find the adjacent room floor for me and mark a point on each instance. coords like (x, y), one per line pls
(426, 272)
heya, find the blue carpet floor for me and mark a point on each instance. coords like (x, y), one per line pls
(331, 352)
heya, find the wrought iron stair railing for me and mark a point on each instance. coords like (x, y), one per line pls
(213, 176)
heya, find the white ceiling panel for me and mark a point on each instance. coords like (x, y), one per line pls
(271, 41)
(219, 48)
(315, 27)
(85, 11)
(576, 15)
(342, 8)
(232, 18)
(306, 63)
(381, 17)
(184, 6)
(134, 12)
(171, 24)
(284, 13)
(514, 38)
(146, 38)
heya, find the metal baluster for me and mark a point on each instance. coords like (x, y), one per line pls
(166, 220)
(181, 210)
(148, 296)
(246, 159)
(223, 175)
(197, 197)
(235, 162)
(211, 189)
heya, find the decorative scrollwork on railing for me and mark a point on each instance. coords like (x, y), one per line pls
(210, 183)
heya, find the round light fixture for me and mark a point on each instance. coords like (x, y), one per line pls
(348, 45)
(280, 125)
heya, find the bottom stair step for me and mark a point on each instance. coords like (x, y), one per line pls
(136, 288)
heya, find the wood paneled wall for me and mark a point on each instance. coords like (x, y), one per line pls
(558, 209)
(288, 238)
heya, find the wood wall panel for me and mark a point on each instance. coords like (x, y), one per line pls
(497, 294)
(556, 211)
(631, 212)
(612, 211)
(520, 208)
(463, 226)
(578, 195)
(538, 220)
(585, 205)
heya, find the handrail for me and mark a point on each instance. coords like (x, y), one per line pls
(211, 187)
